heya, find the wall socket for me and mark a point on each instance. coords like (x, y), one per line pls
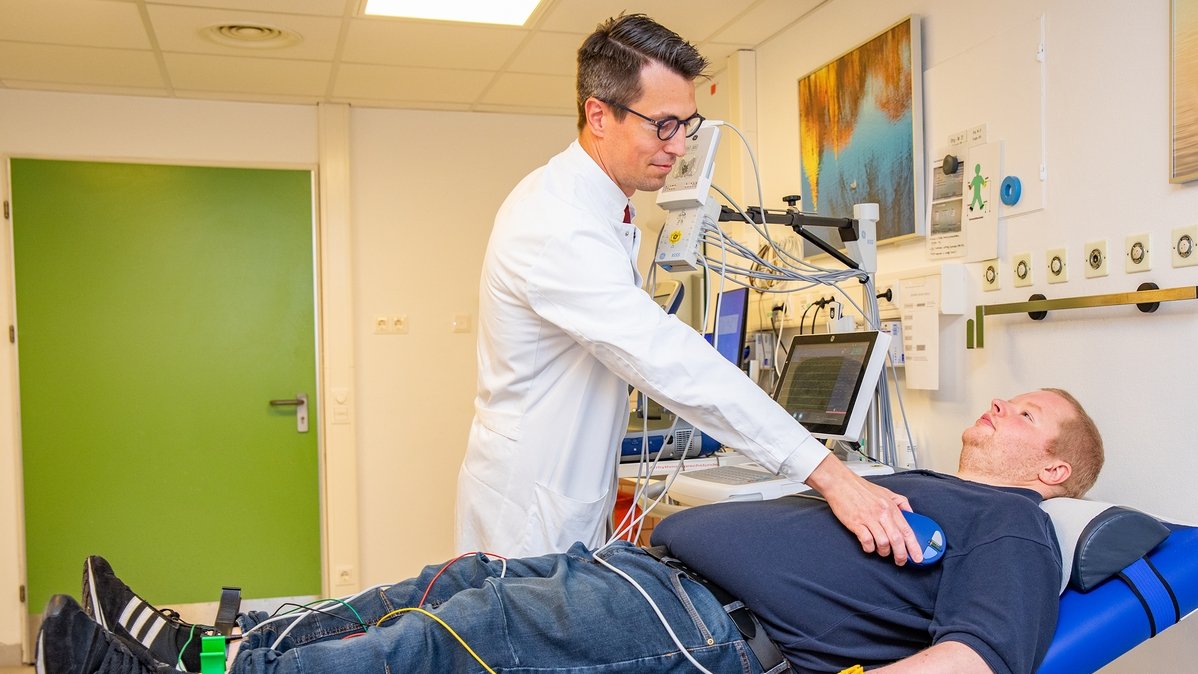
(1057, 265)
(391, 325)
(1095, 257)
(1184, 242)
(1137, 253)
(990, 278)
(1021, 270)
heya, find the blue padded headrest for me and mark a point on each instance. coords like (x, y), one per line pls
(1099, 539)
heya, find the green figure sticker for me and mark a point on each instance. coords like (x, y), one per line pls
(977, 184)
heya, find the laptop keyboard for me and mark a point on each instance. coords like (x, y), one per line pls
(733, 475)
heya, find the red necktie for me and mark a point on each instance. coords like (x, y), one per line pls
(627, 215)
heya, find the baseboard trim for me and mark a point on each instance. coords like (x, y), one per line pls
(10, 655)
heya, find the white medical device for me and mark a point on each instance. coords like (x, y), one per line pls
(685, 199)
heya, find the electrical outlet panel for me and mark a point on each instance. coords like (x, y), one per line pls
(1095, 256)
(990, 280)
(1184, 242)
(1137, 253)
(1058, 269)
(399, 324)
(1021, 270)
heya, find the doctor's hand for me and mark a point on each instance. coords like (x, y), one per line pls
(869, 511)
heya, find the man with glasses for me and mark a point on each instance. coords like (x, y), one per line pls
(564, 328)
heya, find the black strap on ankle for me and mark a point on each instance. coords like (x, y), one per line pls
(226, 613)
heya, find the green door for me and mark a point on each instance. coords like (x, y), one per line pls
(159, 311)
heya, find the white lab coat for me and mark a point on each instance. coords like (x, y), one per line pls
(564, 327)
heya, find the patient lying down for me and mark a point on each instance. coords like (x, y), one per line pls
(990, 605)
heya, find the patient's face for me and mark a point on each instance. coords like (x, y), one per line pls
(1012, 438)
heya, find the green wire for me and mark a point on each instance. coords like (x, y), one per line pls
(190, 635)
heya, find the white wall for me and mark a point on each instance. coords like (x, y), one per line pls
(426, 187)
(1107, 137)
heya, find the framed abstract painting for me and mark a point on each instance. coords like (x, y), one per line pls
(861, 134)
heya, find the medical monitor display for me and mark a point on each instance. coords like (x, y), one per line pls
(828, 381)
(730, 325)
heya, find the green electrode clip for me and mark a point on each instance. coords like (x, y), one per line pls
(212, 655)
(212, 648)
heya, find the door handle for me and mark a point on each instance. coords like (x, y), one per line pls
(300, 402)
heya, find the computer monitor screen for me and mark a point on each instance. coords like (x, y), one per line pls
(828, 381)
(730, 324)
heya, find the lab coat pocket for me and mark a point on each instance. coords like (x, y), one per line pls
(559, 520)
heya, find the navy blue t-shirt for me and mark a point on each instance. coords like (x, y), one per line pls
(828, 605)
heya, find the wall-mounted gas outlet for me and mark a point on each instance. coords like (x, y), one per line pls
(1058, 269)
(990, 279)
(1137, 253)
(1095, 256)
(1021, 270)
(1185, 246)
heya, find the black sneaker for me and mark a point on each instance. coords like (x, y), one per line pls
(69, 642)
(119, 610)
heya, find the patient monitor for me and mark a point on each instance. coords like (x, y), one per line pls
(827, 384)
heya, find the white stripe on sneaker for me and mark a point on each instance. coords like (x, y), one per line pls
(142, 617)
(152, 632)
(129, 610)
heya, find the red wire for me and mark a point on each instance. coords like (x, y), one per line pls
(446, 566)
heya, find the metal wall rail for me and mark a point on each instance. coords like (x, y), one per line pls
(1147, 299)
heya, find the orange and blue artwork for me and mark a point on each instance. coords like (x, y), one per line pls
(861, 133)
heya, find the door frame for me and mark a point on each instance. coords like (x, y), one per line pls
(334, 337)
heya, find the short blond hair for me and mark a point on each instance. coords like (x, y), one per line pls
(1080, 445)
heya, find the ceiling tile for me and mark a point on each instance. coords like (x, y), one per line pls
(694, 20)
(180, 29)
(409, 84)
(246, 75)
(105, 89)
(764, 20)
(79, 65)
(548, 91)
(430, 44)
(83, 23)
(315, 7)
(548, 54)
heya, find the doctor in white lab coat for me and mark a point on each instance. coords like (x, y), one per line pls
(564, 327)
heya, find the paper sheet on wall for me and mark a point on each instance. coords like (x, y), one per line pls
(920, 314)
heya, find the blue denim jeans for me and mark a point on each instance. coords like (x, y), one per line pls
(556, 613)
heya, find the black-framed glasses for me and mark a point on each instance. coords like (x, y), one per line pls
(666, 128)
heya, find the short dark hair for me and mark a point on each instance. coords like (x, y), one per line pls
(610, 60)
(1080, 445)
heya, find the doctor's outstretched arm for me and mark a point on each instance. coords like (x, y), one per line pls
(867, 510)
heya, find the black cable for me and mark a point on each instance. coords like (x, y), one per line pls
(359, 623)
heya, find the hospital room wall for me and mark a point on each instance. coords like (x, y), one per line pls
(424, 188)
(1106, 132)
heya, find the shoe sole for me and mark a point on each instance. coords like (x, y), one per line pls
(41, 663)
(97, 611)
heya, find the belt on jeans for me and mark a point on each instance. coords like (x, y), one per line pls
(768, 655)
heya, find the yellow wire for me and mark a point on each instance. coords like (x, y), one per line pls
(443, 624)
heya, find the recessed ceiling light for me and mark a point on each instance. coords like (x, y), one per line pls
(506, 12)
(254, 35)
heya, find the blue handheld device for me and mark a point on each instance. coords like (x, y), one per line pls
(929, 535)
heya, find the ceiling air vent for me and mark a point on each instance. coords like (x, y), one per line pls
(252, 35)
